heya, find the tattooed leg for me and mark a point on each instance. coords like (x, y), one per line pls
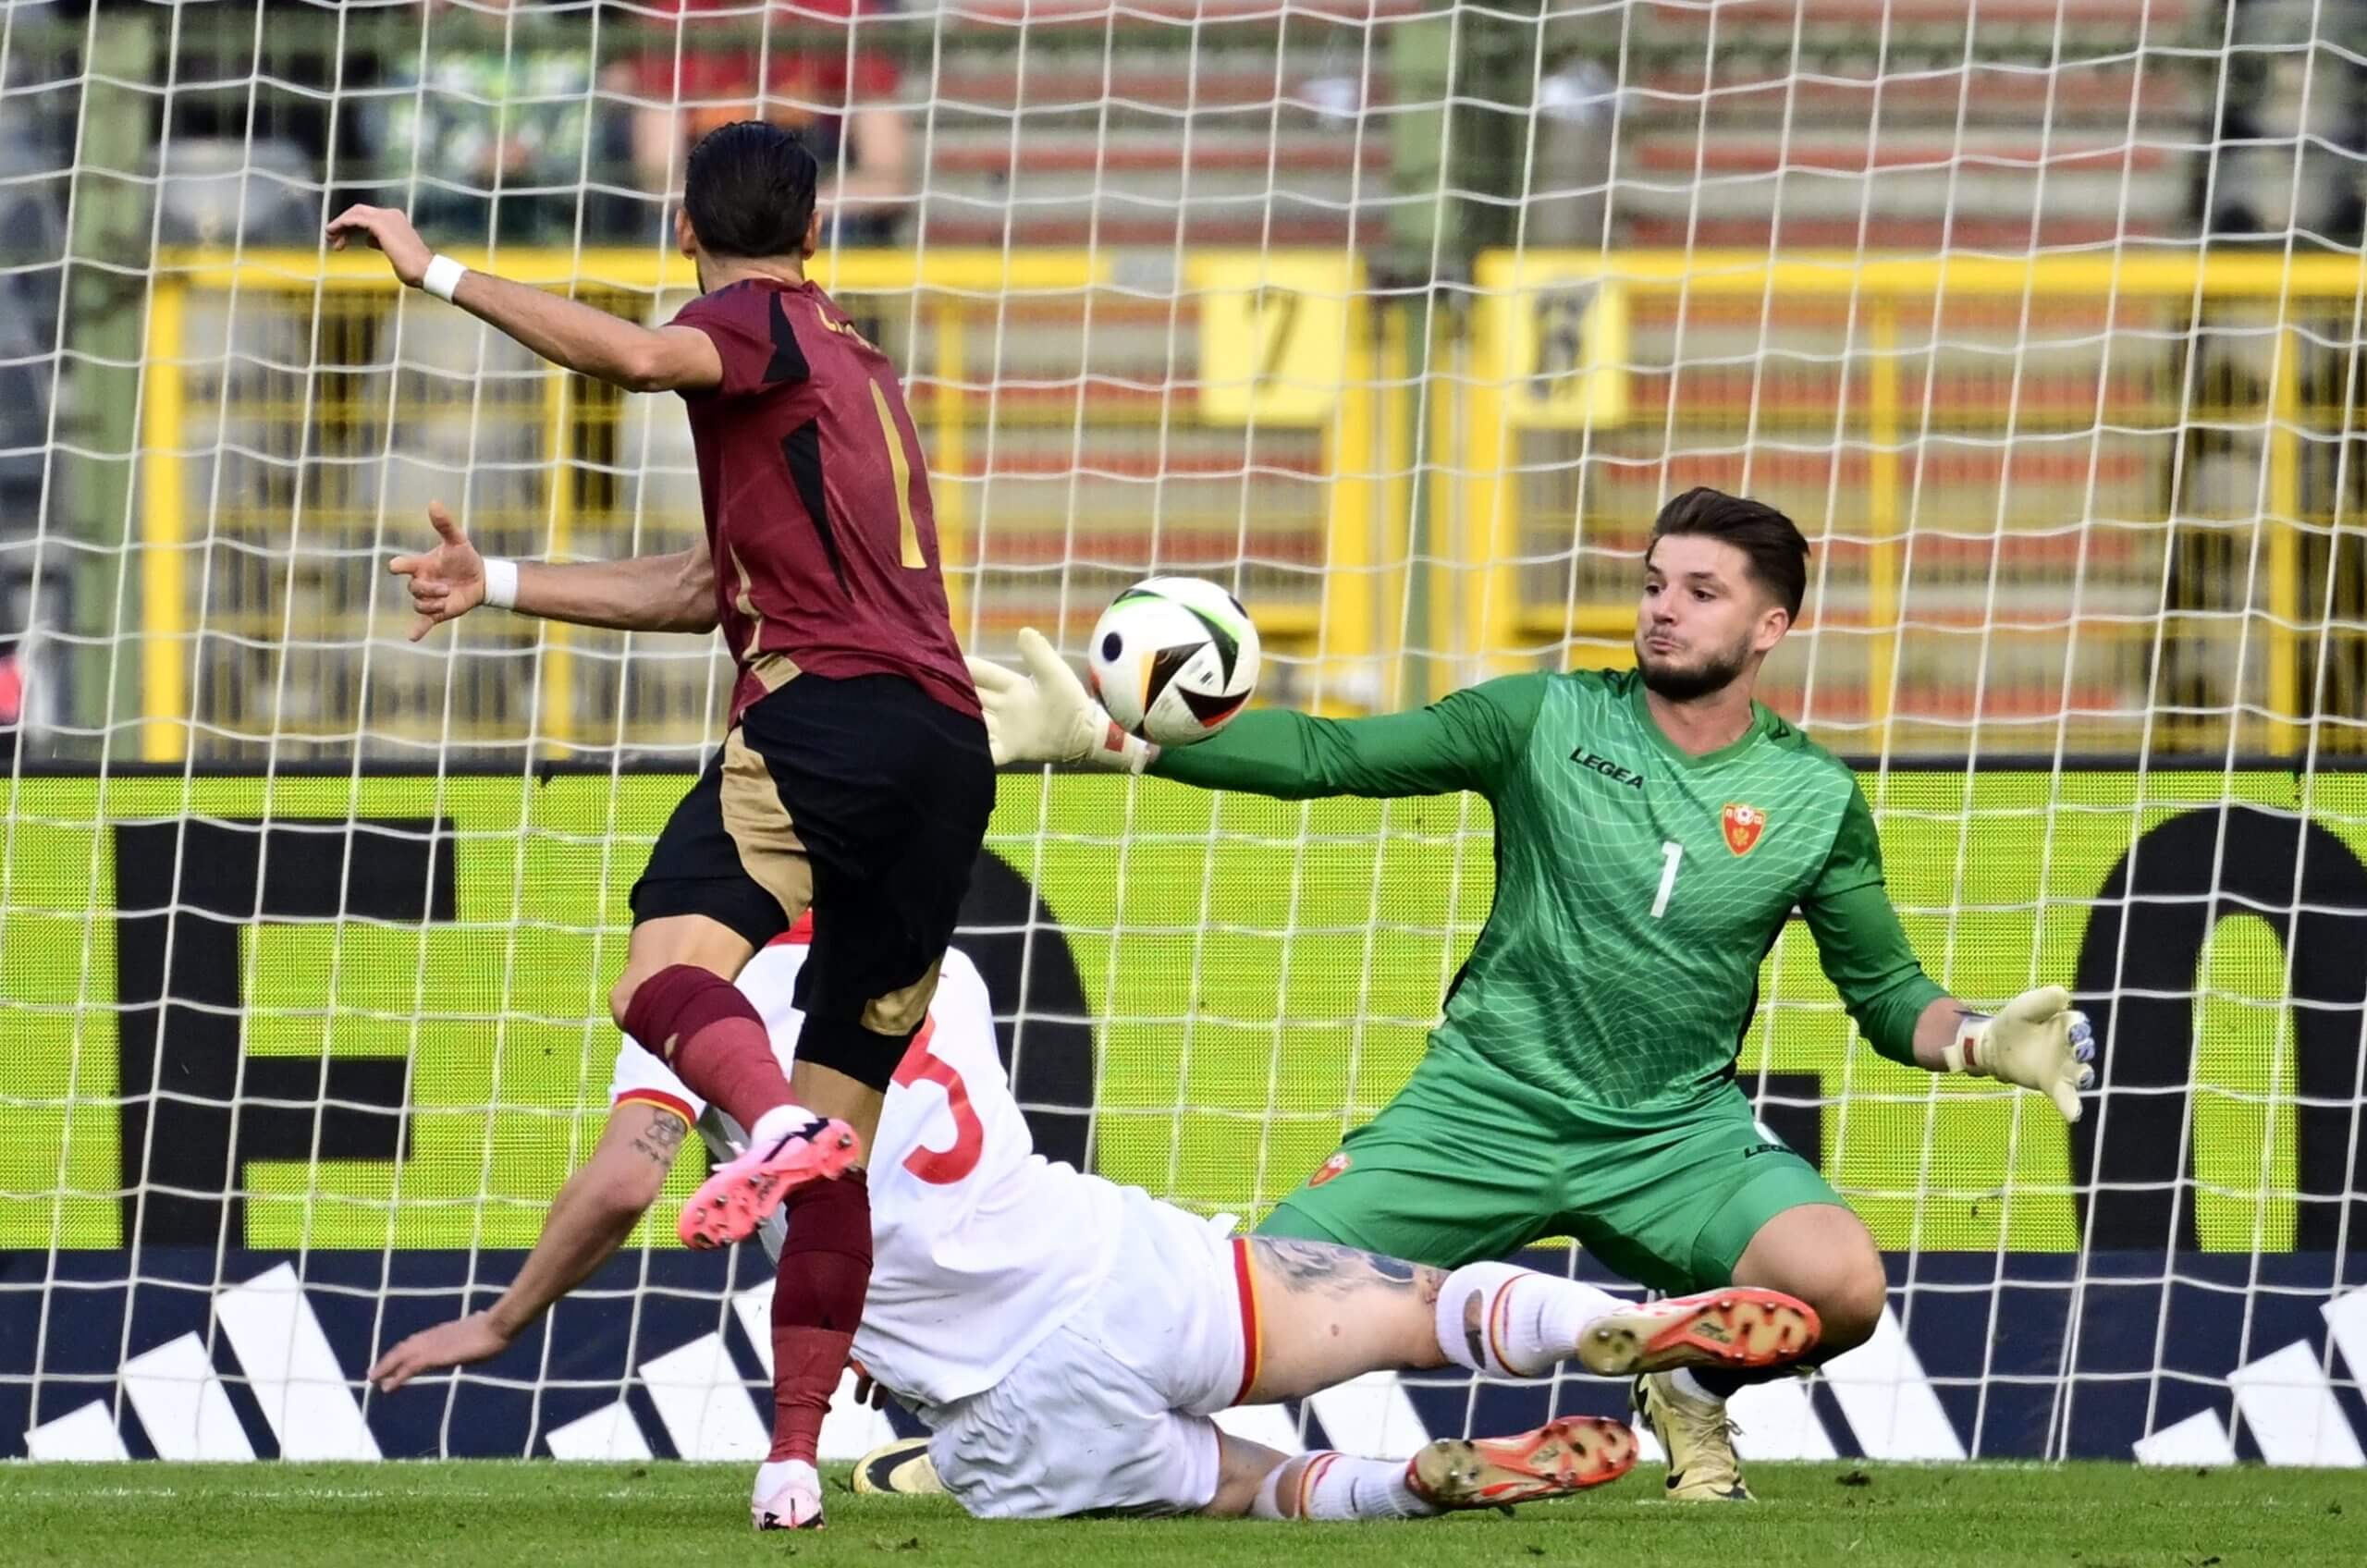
(1327, 1314)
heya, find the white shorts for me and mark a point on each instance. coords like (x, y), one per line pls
(1111, 1412)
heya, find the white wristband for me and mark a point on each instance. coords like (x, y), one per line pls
(443, 275)
(500, 582)
(1963, 1053)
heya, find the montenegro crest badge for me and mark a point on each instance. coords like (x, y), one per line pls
(1743, 826)
(1328, 1169)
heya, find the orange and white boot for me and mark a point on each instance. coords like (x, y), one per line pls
(1559, 1458)
(1739, 1328)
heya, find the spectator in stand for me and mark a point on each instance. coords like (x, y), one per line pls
(783, 61)
(491, 125)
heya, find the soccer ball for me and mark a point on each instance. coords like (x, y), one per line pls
(1173, 658)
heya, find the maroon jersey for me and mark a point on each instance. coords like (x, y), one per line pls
(816, 499)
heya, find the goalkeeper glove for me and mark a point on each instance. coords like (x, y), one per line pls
(2039, 1041)
(1048, 715)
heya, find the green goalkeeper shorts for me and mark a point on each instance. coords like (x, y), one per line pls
(1464, 1165)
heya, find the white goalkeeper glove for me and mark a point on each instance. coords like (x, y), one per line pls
(2039, 1041)
(1048, 715)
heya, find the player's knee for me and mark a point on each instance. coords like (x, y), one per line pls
(1851, 1304)
(635, 980)
(620, 995)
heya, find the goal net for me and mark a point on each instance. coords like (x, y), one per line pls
(1400, 318)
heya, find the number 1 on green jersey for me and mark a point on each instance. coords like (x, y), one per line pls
(1671, 853)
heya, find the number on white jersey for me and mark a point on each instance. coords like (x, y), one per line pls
(942, 1167)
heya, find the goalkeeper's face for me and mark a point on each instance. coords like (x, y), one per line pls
(1705, 621)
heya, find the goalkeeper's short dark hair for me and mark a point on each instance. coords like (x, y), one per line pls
(749, 189)
(1777, 550)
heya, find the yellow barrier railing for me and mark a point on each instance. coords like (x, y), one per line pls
(1586, 389)
(1554, 360)
(1286, 342)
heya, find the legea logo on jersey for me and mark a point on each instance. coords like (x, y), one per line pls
(1743, 826)
(1607, 768)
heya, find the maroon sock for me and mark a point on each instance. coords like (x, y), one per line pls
(818, 1301)
(701, 1026)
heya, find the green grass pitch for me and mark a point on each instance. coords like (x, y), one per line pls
(415, 1514)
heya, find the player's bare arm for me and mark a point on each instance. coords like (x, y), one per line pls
(590, 1218)
(565, 332)
(669, 592)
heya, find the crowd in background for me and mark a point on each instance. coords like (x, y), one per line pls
(506, 141)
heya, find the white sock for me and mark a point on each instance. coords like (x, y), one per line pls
(1690, 1386)
(1327, 1485)
(1528, 1321)
(777, 1124)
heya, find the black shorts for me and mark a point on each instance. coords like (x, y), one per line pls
(864, 799)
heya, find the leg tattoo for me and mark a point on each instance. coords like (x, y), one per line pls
(1323, 1267)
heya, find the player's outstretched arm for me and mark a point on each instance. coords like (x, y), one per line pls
(565, 332)
(2039, 1041)
(590, 1218)
(1461, 741)
(671, 592)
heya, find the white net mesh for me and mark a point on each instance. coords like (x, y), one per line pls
(2042, 317)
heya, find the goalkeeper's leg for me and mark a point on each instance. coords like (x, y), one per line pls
(1782, 1229)
(1448, 1173)
(1821, 1251)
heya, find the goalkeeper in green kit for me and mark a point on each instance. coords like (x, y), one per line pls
(1654, 829)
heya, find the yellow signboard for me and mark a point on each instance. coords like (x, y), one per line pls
(400, 983)
(1274, 335)
(1559, 333)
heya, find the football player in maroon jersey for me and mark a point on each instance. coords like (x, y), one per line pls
(854, 777)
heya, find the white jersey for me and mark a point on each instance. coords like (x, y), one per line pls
(981, 1247)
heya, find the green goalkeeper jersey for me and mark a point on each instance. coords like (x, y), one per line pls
(1637, 887)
